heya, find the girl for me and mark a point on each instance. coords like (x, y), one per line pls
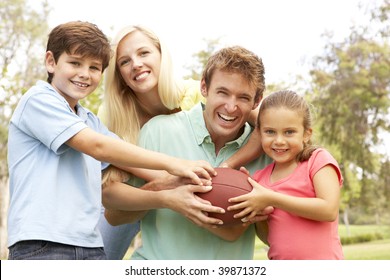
(302, 184)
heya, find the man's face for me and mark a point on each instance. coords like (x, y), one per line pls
(230, 100)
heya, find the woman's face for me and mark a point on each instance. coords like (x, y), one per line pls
(138, 61)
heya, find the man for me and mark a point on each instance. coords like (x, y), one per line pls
(233, 85)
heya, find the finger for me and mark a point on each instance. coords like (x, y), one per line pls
(207, 168)
(194, 178)
(200, 188)
(224, 165)
(267, 210)
(258, 218)
(242, 214)
(244, 170)
(237, 206)
(239, 198)
(204, 220)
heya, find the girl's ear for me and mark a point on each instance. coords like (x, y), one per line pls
(307, 135)
(203, 88)
(50, 62)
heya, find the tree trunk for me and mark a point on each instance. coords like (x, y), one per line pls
(346, 220)
(4, 202)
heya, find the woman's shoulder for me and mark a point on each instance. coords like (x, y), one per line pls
(191, 93)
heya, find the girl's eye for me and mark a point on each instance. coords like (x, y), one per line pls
(290, 132)
(269, 132)
(144, 53)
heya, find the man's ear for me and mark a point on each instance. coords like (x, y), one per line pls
(203, 88)
(256, 105)
(50, 62)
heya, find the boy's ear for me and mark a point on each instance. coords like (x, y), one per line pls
(50, 62)
(203, 88)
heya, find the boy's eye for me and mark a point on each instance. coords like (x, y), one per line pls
(144, 53)
(75, 62)
(95, 68)
(268, 131)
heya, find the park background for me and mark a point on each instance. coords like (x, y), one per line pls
(335, 53)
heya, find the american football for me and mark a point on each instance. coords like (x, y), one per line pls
(227, 184)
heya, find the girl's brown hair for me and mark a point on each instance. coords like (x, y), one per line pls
(290, 100)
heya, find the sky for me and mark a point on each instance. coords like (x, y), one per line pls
(284, 33)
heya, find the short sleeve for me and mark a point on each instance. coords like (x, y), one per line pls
(321, 158)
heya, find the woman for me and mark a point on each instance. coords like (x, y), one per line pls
(139, 84)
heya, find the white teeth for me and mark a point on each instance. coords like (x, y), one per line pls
(226, 118)
(143, 75)
(80, 84)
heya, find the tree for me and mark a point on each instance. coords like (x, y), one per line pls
(22, 42)
(200, 59)
(351, 90)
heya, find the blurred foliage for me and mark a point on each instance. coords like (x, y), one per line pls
(349, 87)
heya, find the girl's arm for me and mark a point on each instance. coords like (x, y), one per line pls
(323, 207)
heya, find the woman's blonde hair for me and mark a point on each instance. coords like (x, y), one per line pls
(120, 103)
(119, 99)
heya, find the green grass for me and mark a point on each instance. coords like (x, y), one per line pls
(373, 250)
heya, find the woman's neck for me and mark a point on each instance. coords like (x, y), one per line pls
(149, 106)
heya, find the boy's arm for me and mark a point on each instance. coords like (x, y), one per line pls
(118, 152)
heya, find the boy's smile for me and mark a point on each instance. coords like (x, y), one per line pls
(74, 76)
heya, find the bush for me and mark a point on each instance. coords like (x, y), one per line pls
(361, 238)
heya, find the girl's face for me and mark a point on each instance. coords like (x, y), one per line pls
(138, 61)
(282, 134)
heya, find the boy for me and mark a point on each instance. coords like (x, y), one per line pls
(54, 151)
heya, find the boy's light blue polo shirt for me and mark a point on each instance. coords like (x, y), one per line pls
(167, 234)
(55, 191)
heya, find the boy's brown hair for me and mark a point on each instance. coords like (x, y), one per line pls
(81, 38)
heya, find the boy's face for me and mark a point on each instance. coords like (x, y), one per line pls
(230, 100)
(74, 77)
